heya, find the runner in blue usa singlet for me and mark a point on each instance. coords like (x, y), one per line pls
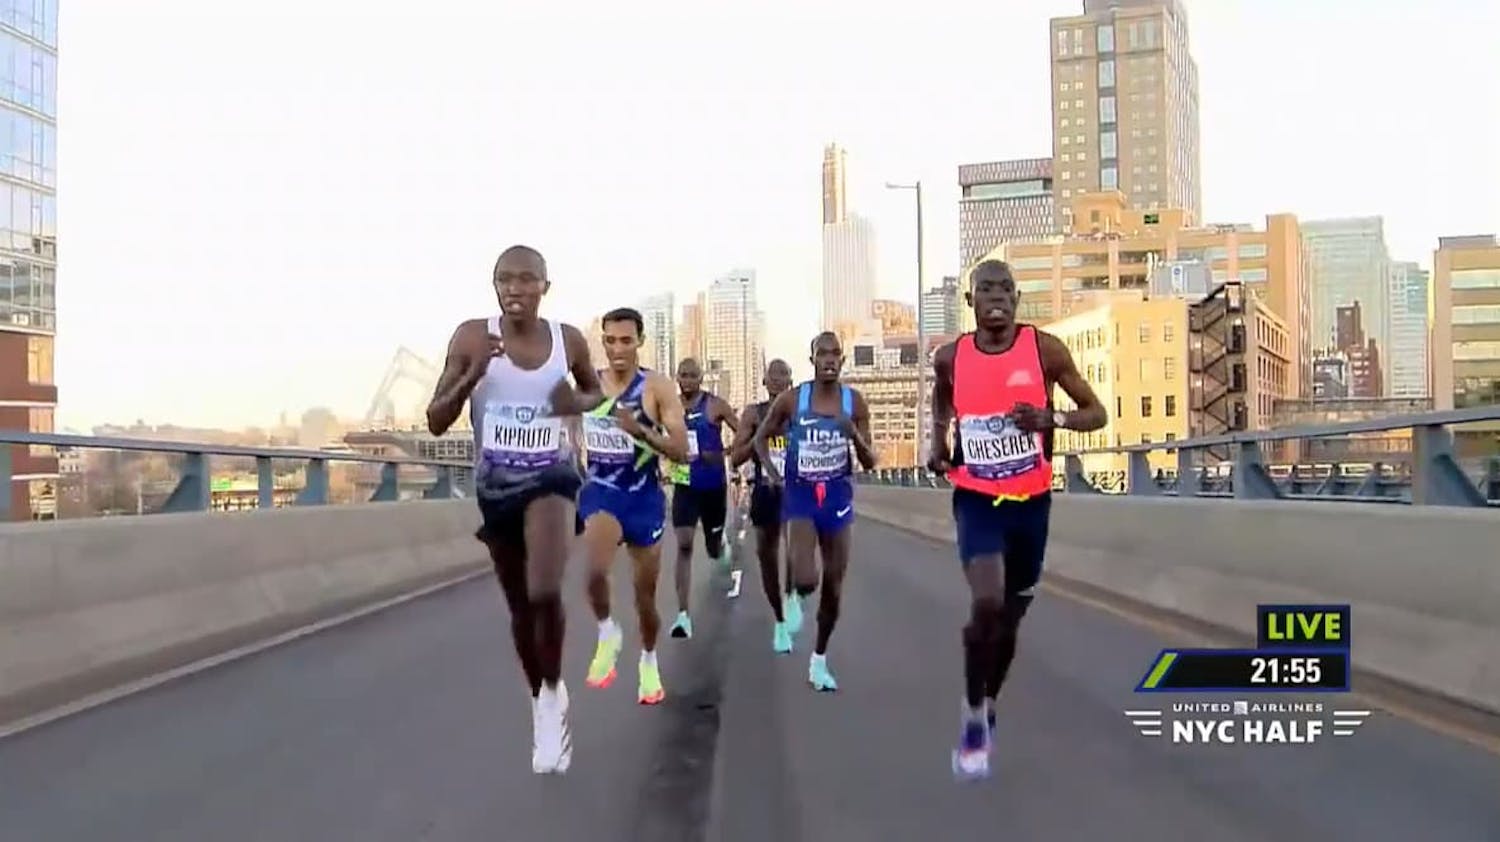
(826, 425)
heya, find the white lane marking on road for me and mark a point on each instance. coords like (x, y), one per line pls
(734, 585)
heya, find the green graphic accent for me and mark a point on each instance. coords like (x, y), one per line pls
(1163, 664)
(679, 474)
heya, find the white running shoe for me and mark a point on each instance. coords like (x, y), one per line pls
(552, 739)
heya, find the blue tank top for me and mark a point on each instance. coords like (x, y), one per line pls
(614, 458)
(817, 451)
(705, 447)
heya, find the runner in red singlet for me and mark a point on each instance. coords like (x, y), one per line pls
(995, 386)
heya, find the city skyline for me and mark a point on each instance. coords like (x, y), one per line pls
(305, 169)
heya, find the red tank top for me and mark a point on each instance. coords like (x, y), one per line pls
(996, 458)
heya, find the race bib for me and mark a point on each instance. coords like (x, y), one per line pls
(679, 474)
(822, 456)
(994, 448)
(692, 438)
(607, 444)
(519, 437)
(776, 449)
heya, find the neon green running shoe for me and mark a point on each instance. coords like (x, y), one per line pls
(602, 667)
(651, 692)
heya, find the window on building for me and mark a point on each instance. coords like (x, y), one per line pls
(1171, 437)
(1479, 349)
(1476, 314)
(1105, 39)
(1476, 279)
(1145, 438)
(39, 360)
(1145, 406)
(1169, 368)
(41, 420)
(1109, 178)
(1143, 369)
(1106, 109)
(1106, 74)
(1108, 145)
(1167, 331)
(1143, 333)
(1170, 407)
(1119, 406)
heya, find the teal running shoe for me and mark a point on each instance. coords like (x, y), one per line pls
(819, 676)
(781, 639)
(791, 609)
(683, 628)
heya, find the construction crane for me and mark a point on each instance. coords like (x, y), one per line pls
(406, 367)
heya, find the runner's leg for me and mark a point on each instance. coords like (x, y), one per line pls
(834, 547)
(646, 566)
(510, 569)
(685, 517)
(981, 545)
(713, 505)
(601, 537)
(548, 526)
(1025, 548)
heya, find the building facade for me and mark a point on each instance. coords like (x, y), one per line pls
(691, 331)
(28, 248)
(1465, 344)
(886, 374)
(1125, 106)
(834, 161)
(1347, 262)
(940, 307)
(1407, 356)
(734, 336)
(1164, 372)
(660, 348)
(1110, 248)
(848, 271)
(1003, 202)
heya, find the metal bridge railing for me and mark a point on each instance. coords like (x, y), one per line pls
(193, 489)
(1234, 466)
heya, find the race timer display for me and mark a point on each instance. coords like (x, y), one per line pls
(1299, 649)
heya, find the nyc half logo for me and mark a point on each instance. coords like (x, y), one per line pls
(1300, 650)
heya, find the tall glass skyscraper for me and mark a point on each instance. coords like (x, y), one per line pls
(28, 246)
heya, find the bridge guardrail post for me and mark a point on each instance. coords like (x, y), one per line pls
(389, 488)
(1436, 478)
(1250, 480)
(314, 484)
(265, 483)
(442, 488)
(193, 491)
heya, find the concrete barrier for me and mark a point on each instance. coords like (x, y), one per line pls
(89, 605)
(1423, 583)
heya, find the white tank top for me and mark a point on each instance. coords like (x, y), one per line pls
(513, 438)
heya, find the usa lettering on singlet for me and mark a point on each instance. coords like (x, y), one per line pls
(519, 437)
(822, 455)
(994, 448)
(608, 445)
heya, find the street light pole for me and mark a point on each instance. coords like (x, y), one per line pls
(921, 326)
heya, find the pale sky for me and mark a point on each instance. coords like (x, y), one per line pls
(260, 201)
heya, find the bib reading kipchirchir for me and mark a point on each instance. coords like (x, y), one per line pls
(519, 437)
(994, 448)
(822, 455)
(607, 444)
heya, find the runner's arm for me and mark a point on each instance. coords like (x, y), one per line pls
(775, 421)
(1058, 367)
(743, 445)
(667, 409)
(939, 452)
(861, 437)
(726, 414)
(586, 394)
(461, 373)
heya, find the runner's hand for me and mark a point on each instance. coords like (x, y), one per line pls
(1031, 419)
(939, 464)
(846, 425)
(626, 418)
(479, 363)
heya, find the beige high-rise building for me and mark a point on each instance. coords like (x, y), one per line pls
(1125, 106)
(1112, 248)
(1464, 304)
(659, 350)
(834, 208)
(691, 331)
(734, 336)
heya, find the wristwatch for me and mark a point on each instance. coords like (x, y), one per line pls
(1060, 420)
